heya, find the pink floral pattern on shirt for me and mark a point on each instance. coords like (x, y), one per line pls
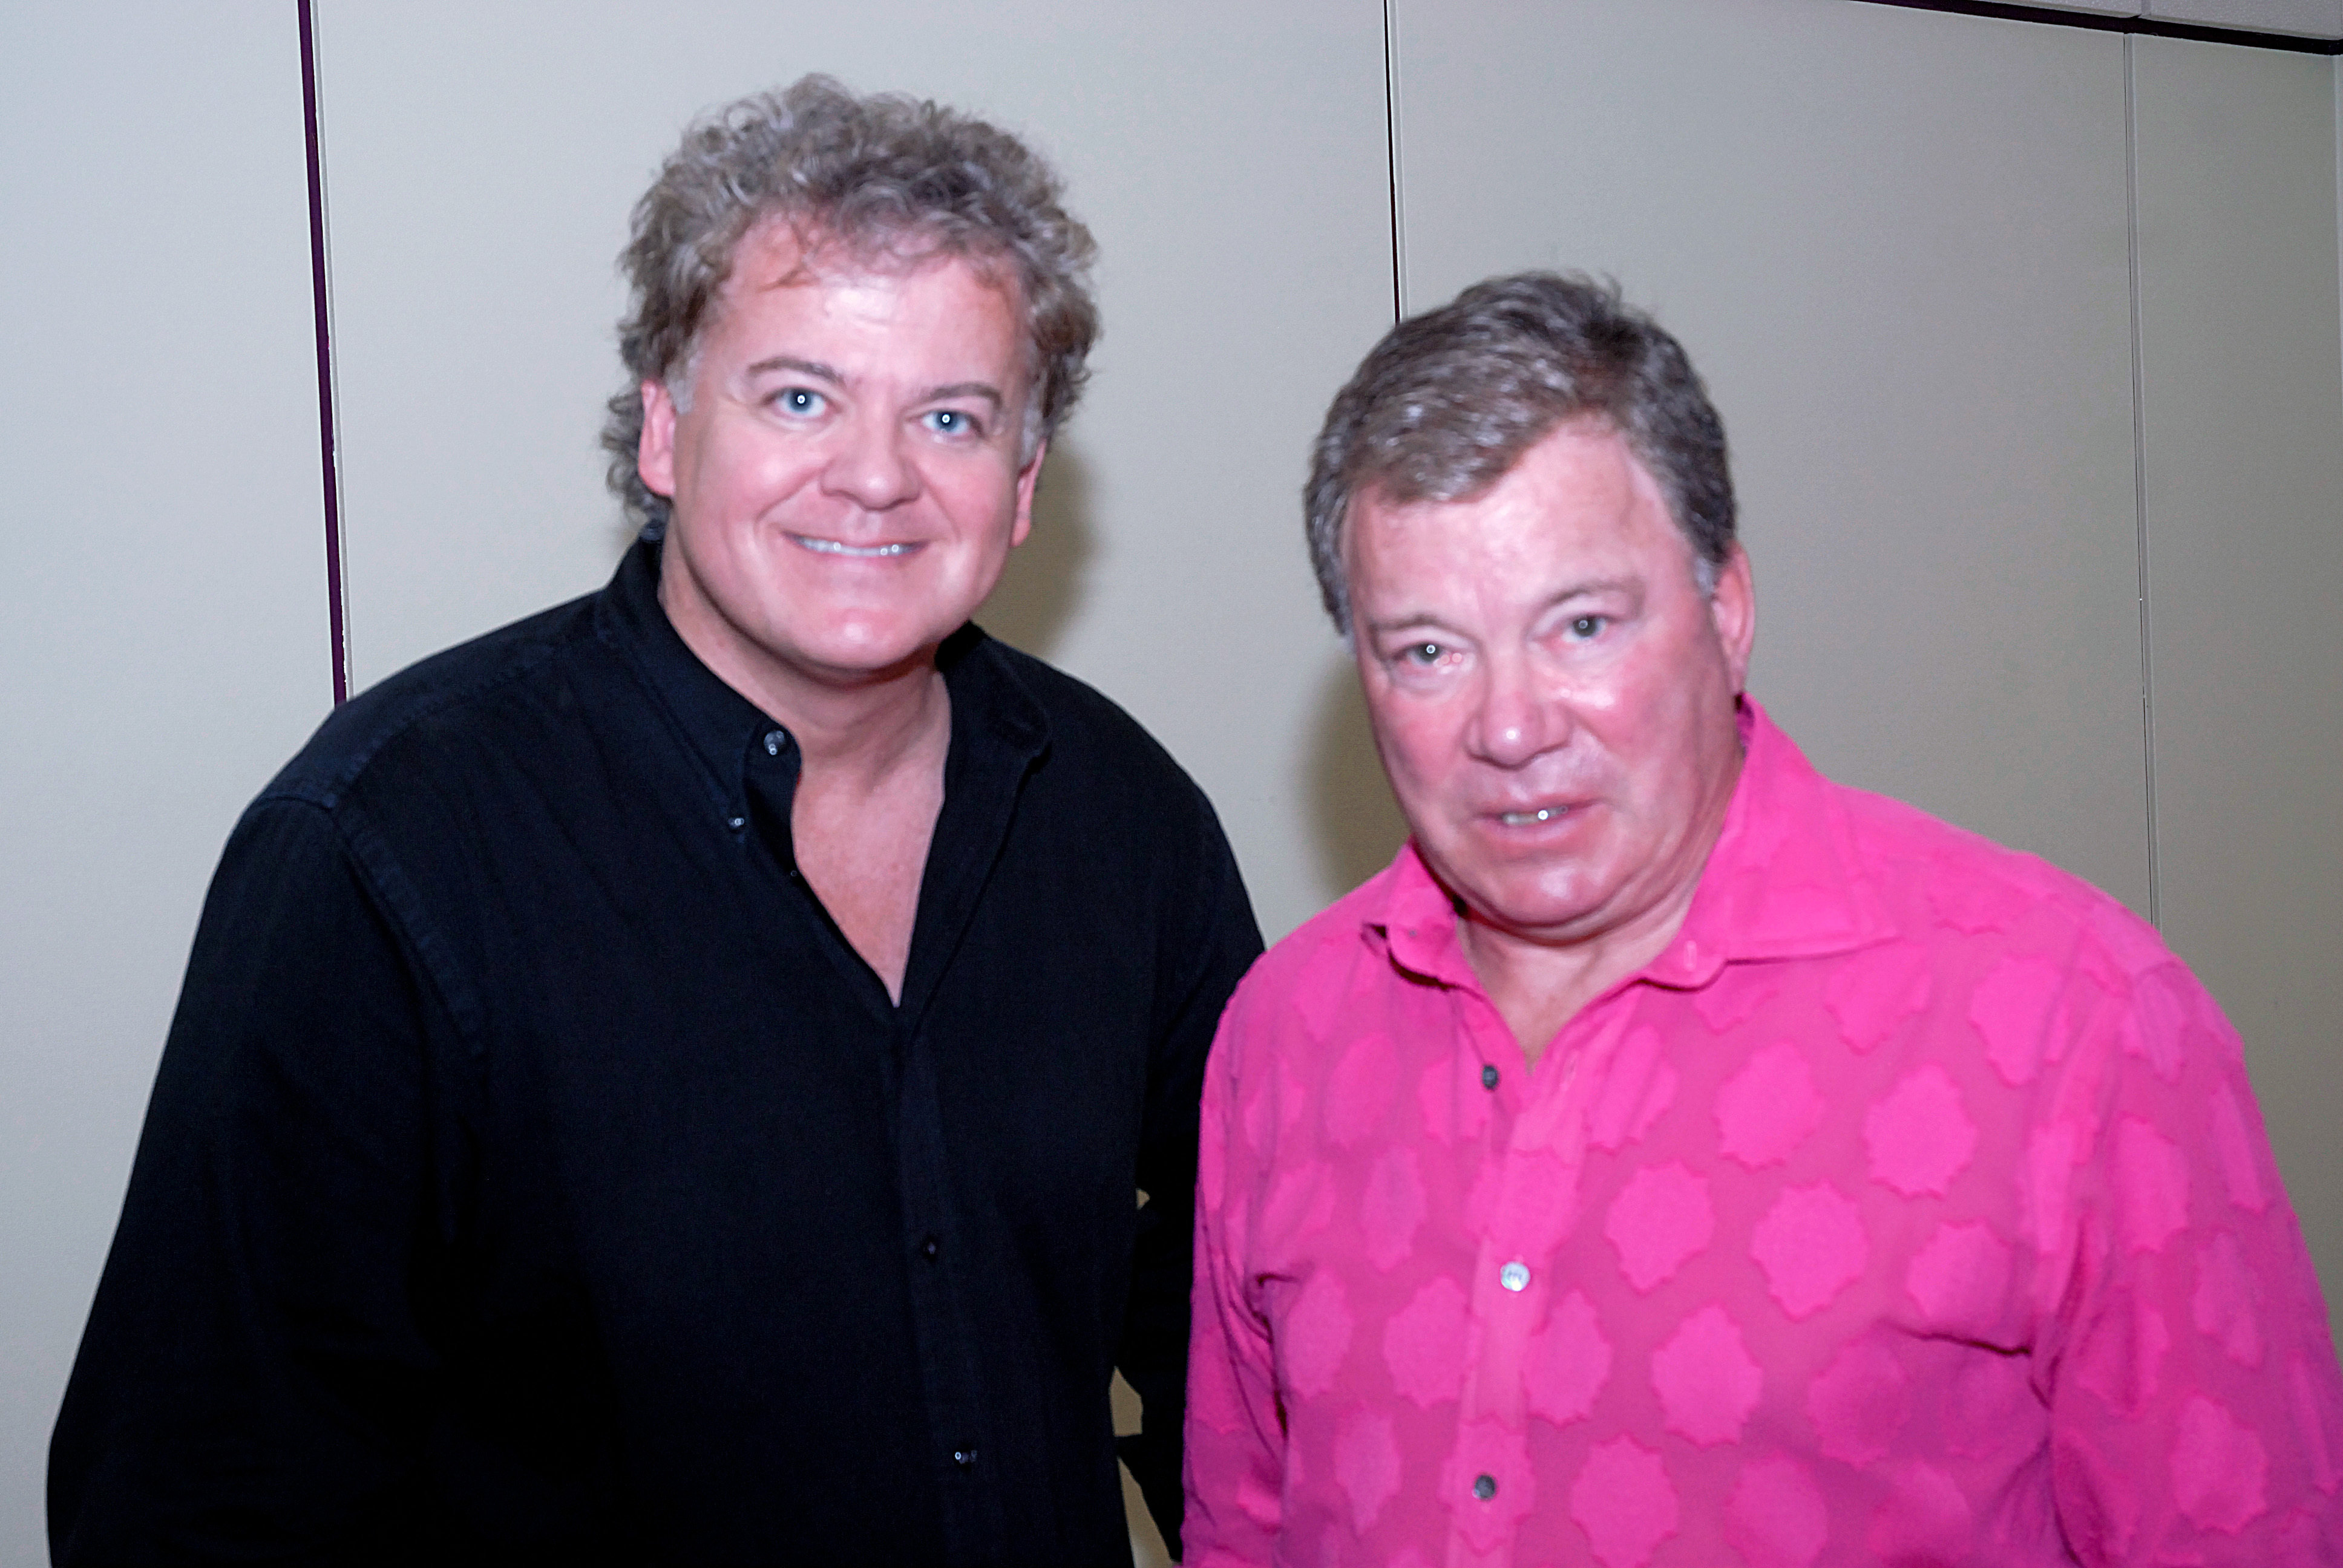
(1911, 1207)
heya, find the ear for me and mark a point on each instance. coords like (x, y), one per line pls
(1733, 611)
(1027, 477)
(655, 452)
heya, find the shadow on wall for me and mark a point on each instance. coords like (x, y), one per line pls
(621, 530)
(1356, 825)
(1352, 813)
(1038, 592)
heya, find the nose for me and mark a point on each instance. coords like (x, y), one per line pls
(870, 467)
(1516, 721)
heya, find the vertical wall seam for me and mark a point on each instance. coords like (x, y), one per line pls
(1391, 155)
(2140, 479)
(321, 301)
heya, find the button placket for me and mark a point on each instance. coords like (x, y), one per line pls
(1529, 1217)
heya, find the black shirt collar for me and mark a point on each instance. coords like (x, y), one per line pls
(997, 724)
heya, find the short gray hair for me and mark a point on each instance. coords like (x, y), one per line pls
(886, 177)
(1449, 401)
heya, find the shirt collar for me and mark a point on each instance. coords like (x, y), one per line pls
(1783, 880)
(996, 720)
(715, 723)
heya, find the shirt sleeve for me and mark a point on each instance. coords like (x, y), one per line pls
(255, 1374)
(1215, 943)
(2197, 1413)
(1236, 1433)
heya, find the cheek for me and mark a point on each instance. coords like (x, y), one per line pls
(1659, 748)
(981, 495)
(1603, 694)
(1417, 741)
(1636, 704)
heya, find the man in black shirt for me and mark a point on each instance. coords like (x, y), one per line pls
(707, 1074)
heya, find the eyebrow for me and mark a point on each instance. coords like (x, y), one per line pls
(813, 367)
(984, 389)
(1410, 619)
(1595, 585)
(820, 372)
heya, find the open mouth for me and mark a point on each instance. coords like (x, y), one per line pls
(859, 552)
(1525, 818)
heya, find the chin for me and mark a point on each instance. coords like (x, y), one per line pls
(875, 645)
(1533, 908)
(1537, 922)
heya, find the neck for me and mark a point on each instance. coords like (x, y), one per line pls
(867, 726)
(861, 725)
(1539, 980)
(1538, 986)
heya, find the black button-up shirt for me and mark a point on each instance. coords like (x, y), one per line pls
(534, 1172)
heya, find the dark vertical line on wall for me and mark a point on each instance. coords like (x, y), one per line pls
(2139, 476)
(321, 303)
(1391, 156)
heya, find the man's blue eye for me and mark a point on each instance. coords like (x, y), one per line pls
(1588, 624)
(1423, 652)
(801, 400)
(951, 422)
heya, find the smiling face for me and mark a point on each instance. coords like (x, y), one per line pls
(847, 478)
(1552, 695)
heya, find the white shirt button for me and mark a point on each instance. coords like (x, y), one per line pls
(1515, 1276)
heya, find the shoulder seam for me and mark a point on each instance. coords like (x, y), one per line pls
(327, 791)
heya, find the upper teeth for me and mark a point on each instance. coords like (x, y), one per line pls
(840, 547)
(1542, 814)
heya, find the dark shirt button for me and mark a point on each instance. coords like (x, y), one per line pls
(963, 1457)
(774, 741)
(1484, 1487)
(1488, 1077)
(930, 1248)
(736, 823)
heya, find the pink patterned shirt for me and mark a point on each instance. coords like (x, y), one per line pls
(1911, 1207)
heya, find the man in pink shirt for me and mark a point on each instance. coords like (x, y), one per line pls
(1676, 1158)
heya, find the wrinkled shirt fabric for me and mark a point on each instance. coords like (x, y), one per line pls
(1911, 1207)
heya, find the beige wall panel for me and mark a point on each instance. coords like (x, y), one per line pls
(163, 620)
(2242, 414)
(2305, 18)
(1231, 159)
(1895, 243)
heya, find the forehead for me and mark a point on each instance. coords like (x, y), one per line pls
(805, 265)
(1577, 496)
